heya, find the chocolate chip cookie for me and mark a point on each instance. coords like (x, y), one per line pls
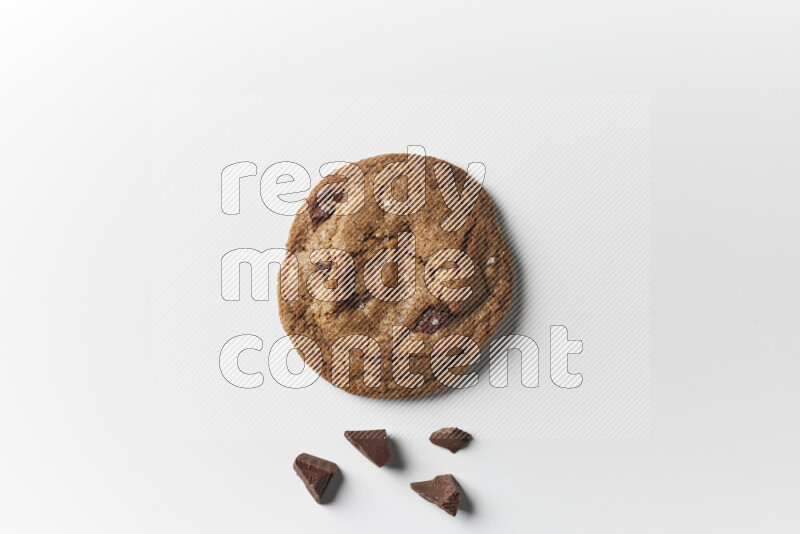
(403, 276)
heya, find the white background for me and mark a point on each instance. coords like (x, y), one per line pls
(78, 454)
(569, 176)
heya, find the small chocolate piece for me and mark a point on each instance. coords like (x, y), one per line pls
(432, 319)
(315, 473)
(452, 438)
(317, 215)
(371, 443)
(443, 491)
(323, 266)
(356, 301)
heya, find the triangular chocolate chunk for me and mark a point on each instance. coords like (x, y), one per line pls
(315, 473)
(371, 443)
(452, 438)
(443, 491)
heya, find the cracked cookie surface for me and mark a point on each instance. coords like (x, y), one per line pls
(426, 318)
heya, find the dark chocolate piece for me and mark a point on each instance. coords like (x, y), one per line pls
(443, 491)
(315, 473)
(356, 301)
(452, 438)
(371, 443)
(432, 319)
(317, 215)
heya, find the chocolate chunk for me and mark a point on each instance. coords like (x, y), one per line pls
(315, 473)
(356, 301)
(452, 438)
(323, 266)
(443, 491)
(317, 215)
(371, 443)
(432, 319)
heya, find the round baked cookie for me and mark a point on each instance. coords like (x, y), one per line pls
(344, 214)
